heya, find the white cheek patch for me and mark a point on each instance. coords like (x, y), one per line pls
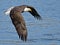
(27, 9)
(7, 12)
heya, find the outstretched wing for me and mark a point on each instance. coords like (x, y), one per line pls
(34, 13)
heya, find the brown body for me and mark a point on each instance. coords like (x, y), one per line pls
(18, 20)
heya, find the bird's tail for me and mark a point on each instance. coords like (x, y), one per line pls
(7, 12)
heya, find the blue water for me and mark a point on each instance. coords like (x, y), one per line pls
(40, 32)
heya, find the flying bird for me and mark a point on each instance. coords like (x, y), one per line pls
(18, 20)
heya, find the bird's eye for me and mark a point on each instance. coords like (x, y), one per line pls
(22, 11)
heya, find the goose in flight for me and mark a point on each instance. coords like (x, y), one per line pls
(18, 20)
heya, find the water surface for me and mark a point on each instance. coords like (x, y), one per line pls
(40, 32)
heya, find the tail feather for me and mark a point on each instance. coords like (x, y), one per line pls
(7, 12)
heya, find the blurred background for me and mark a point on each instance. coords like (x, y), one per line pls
(40, 32)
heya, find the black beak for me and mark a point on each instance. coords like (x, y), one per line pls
(34, 13)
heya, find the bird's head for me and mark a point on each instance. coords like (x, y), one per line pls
(27, 9)
(32, 11)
